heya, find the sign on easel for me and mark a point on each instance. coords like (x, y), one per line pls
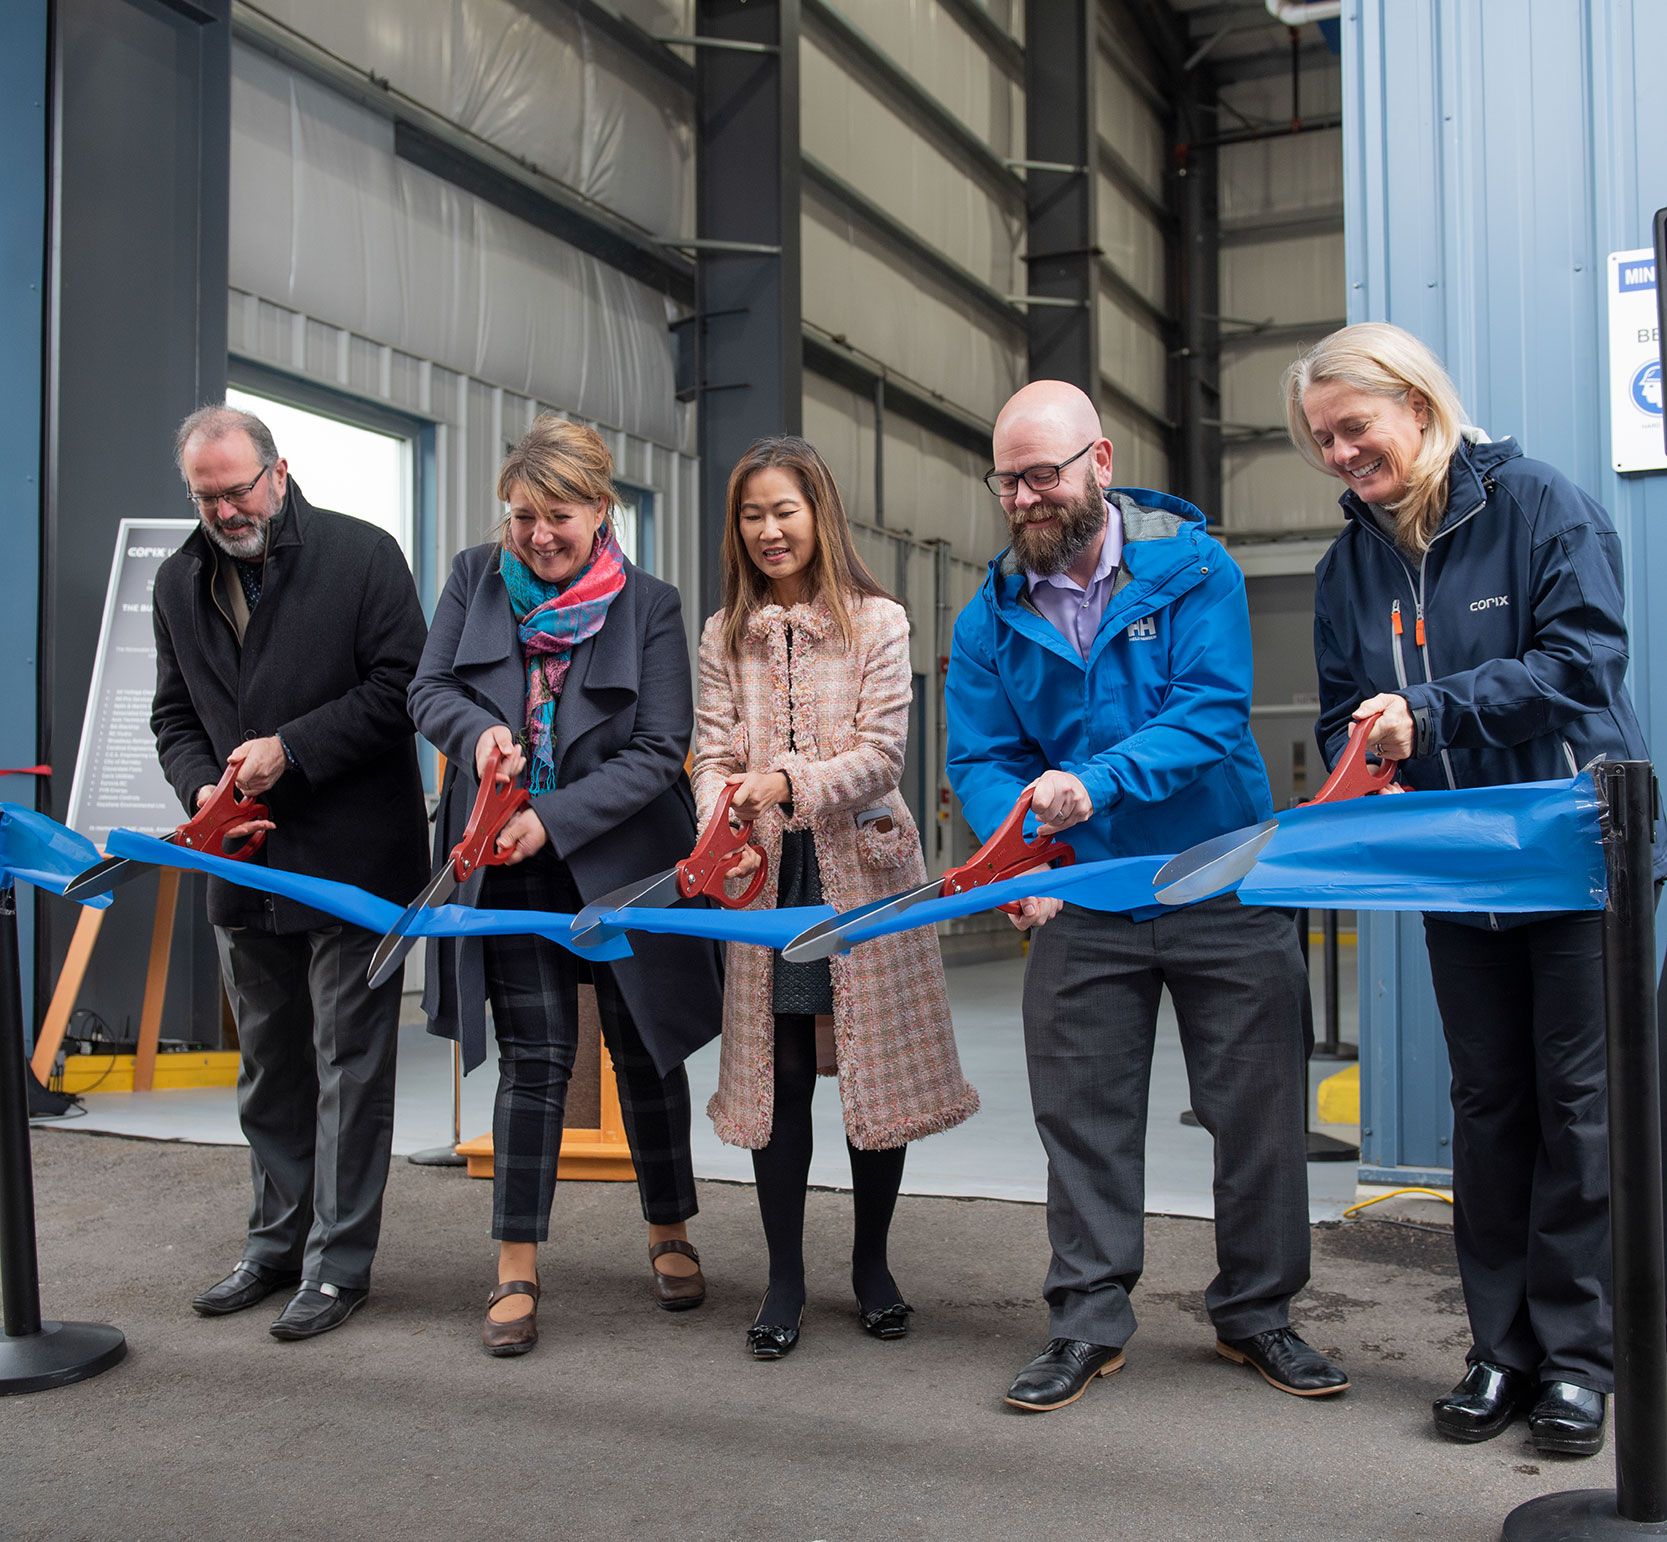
(118, 779)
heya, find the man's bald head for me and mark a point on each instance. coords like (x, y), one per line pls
(1047, 410)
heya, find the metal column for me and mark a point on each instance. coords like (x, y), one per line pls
(747, 172)
(1062, 238)
(1198, 265)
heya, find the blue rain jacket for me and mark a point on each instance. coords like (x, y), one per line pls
(1506, 638)
(1156, 722)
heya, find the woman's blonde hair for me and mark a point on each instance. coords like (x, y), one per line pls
(838, 576)
(1384, 360)
(558, 462)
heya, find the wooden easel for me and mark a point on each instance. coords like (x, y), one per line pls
(56, 1022)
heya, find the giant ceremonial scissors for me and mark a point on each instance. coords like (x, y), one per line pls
(1217, 864)
(207, 830)
(702, 872)
(495, 806)
(1007, 854)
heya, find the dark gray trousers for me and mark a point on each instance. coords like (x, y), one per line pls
(1523, 1014)
(1091, 993)
(315, 1095)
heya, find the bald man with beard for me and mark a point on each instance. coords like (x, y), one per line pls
(1106, 665)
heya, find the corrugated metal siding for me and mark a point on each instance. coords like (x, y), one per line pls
(1496, 152)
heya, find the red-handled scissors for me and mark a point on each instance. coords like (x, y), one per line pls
(702, 872)
(207, 830)
(1219, 863)
(495, 806)
(1006, 854)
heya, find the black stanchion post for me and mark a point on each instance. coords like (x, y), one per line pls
(34, 1355)
(1332, 1047)
(1637, 1506)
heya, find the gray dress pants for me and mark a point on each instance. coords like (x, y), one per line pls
(1091, 993)
(315, 1095)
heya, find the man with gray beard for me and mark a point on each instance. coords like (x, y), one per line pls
(285, 639)
(1105, 666)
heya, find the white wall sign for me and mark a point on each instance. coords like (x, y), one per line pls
(1636, 442)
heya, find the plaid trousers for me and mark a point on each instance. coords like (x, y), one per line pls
(532, 984)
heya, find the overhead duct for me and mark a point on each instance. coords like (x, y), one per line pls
(1293, 13)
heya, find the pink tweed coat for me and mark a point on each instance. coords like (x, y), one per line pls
(899, 1075)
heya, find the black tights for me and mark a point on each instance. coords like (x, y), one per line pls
(782, 1170)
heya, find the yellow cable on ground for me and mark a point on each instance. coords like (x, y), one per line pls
(1393, 1194)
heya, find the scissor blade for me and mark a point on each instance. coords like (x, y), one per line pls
(646, 893)
(1212, 865)
(104, 876)
(390, 952)
(828, 937)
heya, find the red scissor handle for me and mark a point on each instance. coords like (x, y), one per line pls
(1005, 855)
(226, 807)
(704, 869)
(1352, 777)
(494, 807)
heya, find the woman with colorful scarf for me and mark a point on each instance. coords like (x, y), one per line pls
(552, 649)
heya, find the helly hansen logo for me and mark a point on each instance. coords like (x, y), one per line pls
(1496, 603)
(1144, 630)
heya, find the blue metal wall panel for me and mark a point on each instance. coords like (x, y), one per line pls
(23, 80)
(1495, 153)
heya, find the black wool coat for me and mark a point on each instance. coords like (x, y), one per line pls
(326, 660)
(621, 808)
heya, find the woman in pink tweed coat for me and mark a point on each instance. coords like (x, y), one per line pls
(804, 705)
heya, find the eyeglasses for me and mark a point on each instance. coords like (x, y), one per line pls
(206, 501)
(1039, 479)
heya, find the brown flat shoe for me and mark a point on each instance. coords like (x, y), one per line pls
(510, 1338)
(677, 1292)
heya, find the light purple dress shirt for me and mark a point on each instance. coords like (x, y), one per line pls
(1074, 611)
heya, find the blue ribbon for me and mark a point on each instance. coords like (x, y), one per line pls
(1535, 846)
(43, 852)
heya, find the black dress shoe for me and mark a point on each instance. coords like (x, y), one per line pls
(1061, 1374)
(244, 1286)
(1484, 1403)
(1286, 1362)
(889, 1322)
(772, 1341)
(1567, 1418)
(316, 1308)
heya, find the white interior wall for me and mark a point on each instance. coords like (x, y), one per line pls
(1282, 279)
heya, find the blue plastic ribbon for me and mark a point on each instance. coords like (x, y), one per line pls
(1535, 846)
(43, 852)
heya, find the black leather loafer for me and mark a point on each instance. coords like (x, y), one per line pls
(1286, 1362)
(1567, 1419)
(772, 1341)
(890, 1322)
(246, 1285)
(316, 1308)
(1061, 1374)
(1484, 1403)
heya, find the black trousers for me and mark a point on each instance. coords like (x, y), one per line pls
(533, 986)
(1522, 1010)
(315, 1095)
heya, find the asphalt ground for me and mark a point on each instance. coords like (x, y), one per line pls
(630, 1422)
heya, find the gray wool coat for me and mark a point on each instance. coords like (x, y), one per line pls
(621, 808)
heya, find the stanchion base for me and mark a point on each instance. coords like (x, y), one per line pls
(60, 1353)
(1327, 1148)
(439, 1156)
(1324, 1051)
(1573, 1517)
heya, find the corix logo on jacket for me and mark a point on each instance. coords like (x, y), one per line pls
(1492, 604)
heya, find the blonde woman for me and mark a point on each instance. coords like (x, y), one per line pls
(805, 688)
(1474, 600)
(552, 649)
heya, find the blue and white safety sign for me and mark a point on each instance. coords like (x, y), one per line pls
(1636, 438)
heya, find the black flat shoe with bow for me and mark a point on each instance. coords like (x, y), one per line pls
(889, 1322)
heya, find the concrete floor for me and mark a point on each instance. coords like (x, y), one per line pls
(995, 1155)
(630, 1422)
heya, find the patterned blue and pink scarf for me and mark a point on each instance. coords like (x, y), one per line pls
(552, 621)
